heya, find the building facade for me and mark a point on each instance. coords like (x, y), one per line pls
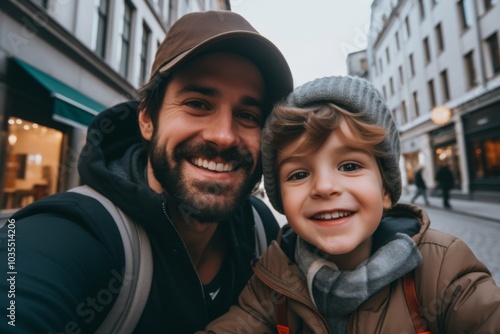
(61, 63)
(438, 65)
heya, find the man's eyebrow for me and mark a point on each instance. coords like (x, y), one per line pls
(204, 90)
(251, 102)
(213, 92)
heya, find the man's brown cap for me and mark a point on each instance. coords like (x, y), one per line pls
(201, 32)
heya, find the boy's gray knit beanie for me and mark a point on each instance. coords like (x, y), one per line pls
(354, 95)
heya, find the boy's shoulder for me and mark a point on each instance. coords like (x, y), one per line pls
(437, 238)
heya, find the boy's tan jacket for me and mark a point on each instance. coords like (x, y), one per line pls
(455, 291)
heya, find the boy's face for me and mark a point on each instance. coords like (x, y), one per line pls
(333, 197)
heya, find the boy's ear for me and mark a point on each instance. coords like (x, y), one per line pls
(387, 201)
(145, 125)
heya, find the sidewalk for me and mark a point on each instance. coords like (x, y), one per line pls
(478, 209)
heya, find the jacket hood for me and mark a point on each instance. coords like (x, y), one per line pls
(113, 160)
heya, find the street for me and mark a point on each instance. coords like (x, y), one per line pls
(482, 235)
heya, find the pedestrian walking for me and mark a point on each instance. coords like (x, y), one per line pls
(445, 181)
(421, 186)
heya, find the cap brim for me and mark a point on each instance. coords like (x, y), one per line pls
(266, 56)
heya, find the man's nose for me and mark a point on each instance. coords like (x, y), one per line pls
(221, 130)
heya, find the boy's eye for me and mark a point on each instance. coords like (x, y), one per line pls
(349, 167)
(298, 176)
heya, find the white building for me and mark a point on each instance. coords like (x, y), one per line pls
(428, 53)
(62, 62)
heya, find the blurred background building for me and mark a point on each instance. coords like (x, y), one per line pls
(61, 63)
(438, 65)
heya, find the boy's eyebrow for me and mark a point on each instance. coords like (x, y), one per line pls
(343, 150)
(213, 92)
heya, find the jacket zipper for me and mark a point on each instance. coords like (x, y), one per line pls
(268, 280)
(189, 256)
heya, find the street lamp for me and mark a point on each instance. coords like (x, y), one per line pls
(440, 115)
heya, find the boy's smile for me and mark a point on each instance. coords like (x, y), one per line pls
(333, 197)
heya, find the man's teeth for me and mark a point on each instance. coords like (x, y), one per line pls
(333, 215)
(211, 165)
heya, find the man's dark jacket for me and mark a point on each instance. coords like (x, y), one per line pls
(69, 254)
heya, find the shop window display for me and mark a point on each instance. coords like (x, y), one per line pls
(31, 170)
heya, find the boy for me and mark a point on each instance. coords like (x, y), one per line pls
(331, 165)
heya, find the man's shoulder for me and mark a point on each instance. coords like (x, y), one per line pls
(74, 211)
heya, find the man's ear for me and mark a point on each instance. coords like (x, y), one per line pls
(146, 125)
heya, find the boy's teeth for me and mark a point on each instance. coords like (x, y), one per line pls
(213, 166)
(333, 215)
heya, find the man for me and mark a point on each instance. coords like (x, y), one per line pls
(182, 165)
(421, 186)
(445, 181)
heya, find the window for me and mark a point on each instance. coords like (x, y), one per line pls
(488, 4)
(439, 37)
(100, 28)
(486, 158)
(412, 66)
(34, 166)
(492, 42)
(444, 86)
(421, 9)
(380, 65)
(404, 113)
(394, 113)
(407, 25)
(432, 94)
(470, 70)
(401, 76)
(463, 14)
(415, 104)
(396, 36)
(146, 36)
(385, 92)
(391, 85)
(387, 55)
(126, 33)
(427, 51)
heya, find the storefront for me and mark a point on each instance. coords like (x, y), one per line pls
(42, 116)
(482, 136)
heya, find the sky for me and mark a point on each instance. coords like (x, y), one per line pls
(314, 35)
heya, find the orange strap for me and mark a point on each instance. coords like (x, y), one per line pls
(419, 322)
(282, 326)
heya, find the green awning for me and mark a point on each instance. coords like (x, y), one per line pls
(70, 106)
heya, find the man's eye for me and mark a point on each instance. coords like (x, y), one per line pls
(197, 104)
(349, 167)
(298, 176)
(248, 116)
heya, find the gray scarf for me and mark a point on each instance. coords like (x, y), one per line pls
(337, 293)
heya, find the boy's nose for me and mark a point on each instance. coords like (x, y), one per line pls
(324, 185)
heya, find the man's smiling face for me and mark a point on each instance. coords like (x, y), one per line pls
(205, 146)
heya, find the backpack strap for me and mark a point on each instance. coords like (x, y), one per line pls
(131, 301)
(410, 291)
(265, 233)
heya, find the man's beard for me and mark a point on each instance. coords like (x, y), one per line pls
(203, 201)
